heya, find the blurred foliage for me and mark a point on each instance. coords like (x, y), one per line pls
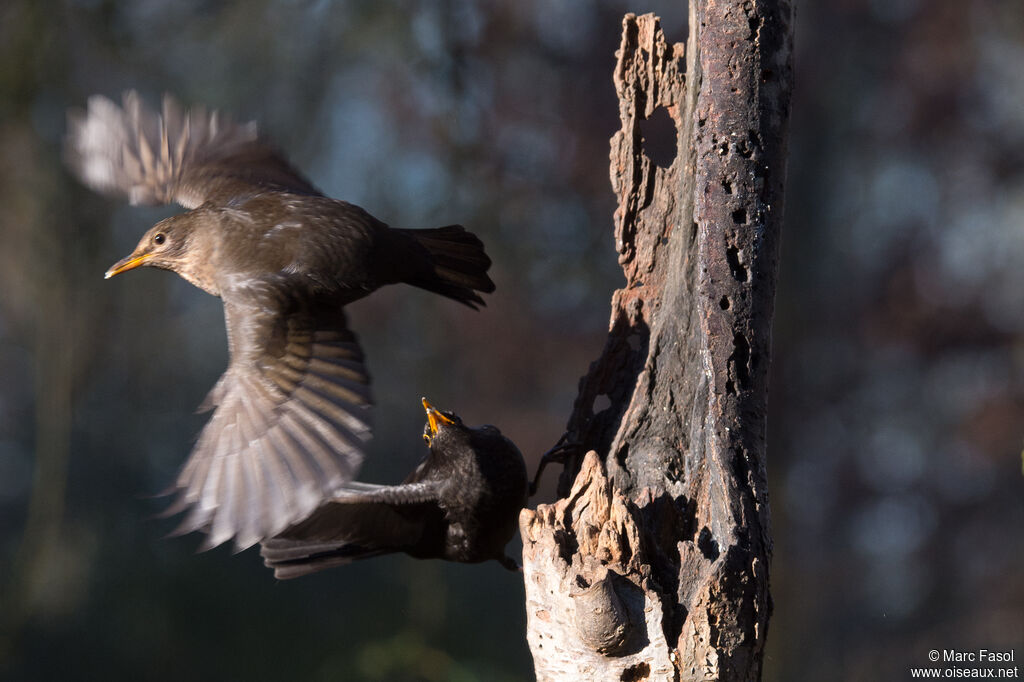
(898, 386)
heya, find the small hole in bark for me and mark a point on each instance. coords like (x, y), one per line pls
(739, 216)
(635, 673)
(727, 186)
(707, 545)
(658, 134)
(567, 545)
(582, 582)
(741, 359)
(601, 403)
(724, 303)
(739, 270)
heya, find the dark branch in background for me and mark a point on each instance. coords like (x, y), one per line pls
(654, 565)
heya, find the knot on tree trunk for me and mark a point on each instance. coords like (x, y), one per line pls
(588, 574)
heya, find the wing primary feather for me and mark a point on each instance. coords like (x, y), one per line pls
(348, 414)
(340, 424)
(224, 523)
(209, 487)
(197, 468)
(302, 473)
(275, 491)
(351, 371)
(253, 524)
(307, 436)
(195, 519)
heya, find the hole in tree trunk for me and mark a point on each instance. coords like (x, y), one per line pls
(659, 138)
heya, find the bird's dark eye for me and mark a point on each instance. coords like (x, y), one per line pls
(159, 238)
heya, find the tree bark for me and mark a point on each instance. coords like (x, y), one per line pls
(654, 564)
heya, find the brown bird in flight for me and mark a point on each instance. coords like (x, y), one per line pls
(460, 504)
(291, 412)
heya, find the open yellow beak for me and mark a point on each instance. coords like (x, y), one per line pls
(434, 418)
(125, 264)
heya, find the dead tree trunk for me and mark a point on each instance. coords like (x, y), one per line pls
(654, 564)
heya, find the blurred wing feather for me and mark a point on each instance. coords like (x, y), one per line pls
(290, 422)
(189, 157)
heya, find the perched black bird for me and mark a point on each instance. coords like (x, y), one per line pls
(461, 504)
(291, 411)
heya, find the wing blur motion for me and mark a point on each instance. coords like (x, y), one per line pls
(184, 156)
(290, 421)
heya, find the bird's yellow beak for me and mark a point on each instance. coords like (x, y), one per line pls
(434, 419)
(125, 264)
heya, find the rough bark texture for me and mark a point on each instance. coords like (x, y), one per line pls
(655, 563)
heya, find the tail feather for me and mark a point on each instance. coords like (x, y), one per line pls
(459, 264)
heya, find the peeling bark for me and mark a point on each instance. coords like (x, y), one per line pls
(663, 531)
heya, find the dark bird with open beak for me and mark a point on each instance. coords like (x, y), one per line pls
(291, 411)
(461, 503)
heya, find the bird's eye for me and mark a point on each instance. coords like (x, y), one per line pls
(159, 238)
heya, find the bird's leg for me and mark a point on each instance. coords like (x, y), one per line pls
(558, 453)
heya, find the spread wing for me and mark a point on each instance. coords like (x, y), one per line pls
(361, 521)
(189, 157)
(290, 421)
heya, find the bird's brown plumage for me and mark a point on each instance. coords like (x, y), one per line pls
(291, 412)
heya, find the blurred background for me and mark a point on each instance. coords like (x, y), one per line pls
(897, 405)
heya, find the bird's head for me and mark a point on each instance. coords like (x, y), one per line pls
(445, 432)
(180, 244)
(163, 246)
(441, 426)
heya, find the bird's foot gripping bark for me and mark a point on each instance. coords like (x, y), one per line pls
(589, 597)
(563, 449)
